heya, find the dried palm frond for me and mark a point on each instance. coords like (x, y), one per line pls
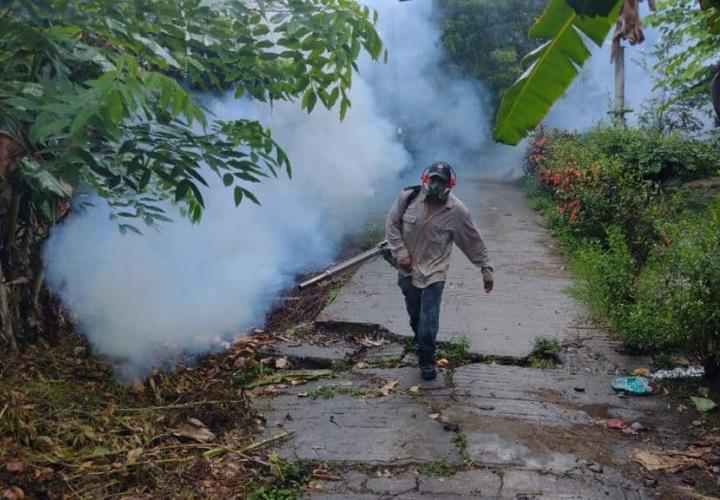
(628, 26)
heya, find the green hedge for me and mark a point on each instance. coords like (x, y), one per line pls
(647, 254)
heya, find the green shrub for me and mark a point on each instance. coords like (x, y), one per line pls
(607, 275)
(592, 189)
(678, 293)
(646, 249)
(654, 155)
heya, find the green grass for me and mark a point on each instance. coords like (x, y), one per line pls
(386, 362)
(455, 351)
(322, 391)
(333, 294)
(459, 439)
(409, 345)
(328, 392)
(546, 353)
(245, 377)
(287, 481)
(439, 468)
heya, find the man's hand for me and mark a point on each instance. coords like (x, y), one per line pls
(488, 279)
(405, 263)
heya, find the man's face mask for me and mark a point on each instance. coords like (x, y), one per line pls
(437, 189)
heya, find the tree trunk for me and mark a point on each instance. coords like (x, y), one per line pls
(715, 92)
(6, 315)
(620, 88)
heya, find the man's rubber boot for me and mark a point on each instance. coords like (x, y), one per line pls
(427, 366)
(428, 373)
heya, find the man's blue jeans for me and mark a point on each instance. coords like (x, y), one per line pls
(423, 307)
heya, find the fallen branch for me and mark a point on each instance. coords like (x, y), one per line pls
(278, 378)
(260, 444)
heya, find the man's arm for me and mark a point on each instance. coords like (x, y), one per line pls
(393, 230)
(467, 237)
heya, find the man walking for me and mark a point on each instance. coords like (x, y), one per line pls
(421, 228)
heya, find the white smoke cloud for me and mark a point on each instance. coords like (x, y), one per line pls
(447, 115)
(183, 285)
(179, 288)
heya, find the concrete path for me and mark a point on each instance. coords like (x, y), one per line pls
(481, 430)
(527, 301)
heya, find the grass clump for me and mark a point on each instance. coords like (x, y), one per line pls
(545, 353)
(455, 351)
(439, 468)
(386, 362)
(459, 439)
(288, 480)
(322, 391)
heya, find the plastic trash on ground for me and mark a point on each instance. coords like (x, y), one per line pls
(632, 385)
(679, 372)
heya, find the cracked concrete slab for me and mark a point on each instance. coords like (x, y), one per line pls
(476, 482)
(529, 485)
(530, 433)
(387, 352)
(346, 428)
(527, 302)
(549, 397)
(394, 429)
(314, 355)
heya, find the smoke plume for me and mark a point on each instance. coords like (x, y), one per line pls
(180, 287)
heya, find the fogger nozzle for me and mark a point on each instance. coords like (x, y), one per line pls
(330, 272)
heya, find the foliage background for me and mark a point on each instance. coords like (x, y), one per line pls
(487, 39)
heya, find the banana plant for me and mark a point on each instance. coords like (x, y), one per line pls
(570, 26)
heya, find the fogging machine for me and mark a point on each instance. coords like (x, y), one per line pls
(382, 248)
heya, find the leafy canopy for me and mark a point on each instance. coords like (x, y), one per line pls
(100, 92)
(688, 70)
(485, 39)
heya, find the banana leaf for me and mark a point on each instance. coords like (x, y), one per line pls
(552, 66)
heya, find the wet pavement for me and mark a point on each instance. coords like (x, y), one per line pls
(481, 430)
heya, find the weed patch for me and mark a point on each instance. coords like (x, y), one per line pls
(459, 439)
(545, 353)
(455, 351)
(287, 480)
(439, 468)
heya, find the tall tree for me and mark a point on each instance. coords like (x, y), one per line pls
(688, 71)
(486, 38)
(99, 93)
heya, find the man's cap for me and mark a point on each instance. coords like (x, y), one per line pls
(440, 169)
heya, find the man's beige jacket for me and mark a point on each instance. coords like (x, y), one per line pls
(429, 240)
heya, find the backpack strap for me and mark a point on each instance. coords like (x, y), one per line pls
(387, 254)
(415, 192)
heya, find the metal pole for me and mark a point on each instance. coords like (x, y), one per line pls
(620, 88)
(345, 265)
